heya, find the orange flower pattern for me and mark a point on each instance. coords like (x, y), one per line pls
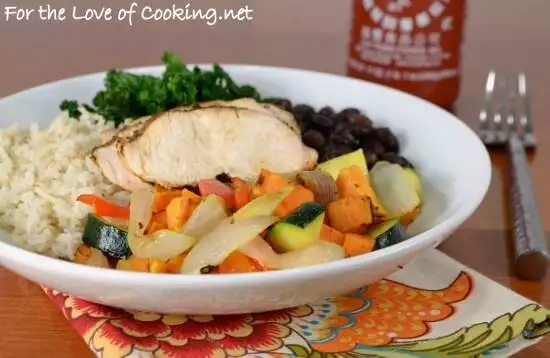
(395, 311)
(372, 316)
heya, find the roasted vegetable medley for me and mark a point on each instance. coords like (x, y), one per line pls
(276, 221)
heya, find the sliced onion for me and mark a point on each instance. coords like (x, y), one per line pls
(97, 259)
(261, 251)
(210, 212)
(263, 205)
(163, 244)
(219, 243)
(317, 253)
(397, 194)
(141, 211)
(321, 184)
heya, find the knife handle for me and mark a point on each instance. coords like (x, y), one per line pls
(531, 248)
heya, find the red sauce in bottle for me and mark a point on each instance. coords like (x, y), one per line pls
(411, 45)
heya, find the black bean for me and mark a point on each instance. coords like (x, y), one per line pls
(333, 150)
(304, 125)
(388, 139)
(391, 158)
(224, 178)
(314, 139)
(371, 158)
(303, 114)
(343, 134)
(359, 119)
(373, 146)
(361, 131)
(302, 110)
(405, 163)
(327, 111)
(342, 127)
(282, 103)
(347, 112)
(396, 159)
(345, 138)
(320, 121)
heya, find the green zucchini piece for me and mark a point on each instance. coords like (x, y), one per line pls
(106, 237)
(388, 233)
(301, 228)
(335, 165)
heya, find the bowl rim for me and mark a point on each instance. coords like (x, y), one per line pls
(454, 220)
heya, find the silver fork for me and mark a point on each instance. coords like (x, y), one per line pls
(500, 125)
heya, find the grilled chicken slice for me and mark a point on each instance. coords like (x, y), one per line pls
(106, 158)
(125, 131)
(108, 161)
(183, 146)
(266, 108)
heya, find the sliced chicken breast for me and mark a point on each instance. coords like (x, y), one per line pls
(108, 161)
(183, 146)
(123, 131)
(105, 157)
(266, 108)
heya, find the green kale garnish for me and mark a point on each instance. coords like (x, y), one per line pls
(130, 95)
(71, 107)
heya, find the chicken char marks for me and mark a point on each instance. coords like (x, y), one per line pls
(184, 145)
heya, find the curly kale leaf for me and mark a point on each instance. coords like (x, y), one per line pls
(129, 95)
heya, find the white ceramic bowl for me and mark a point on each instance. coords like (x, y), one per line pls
(453, 163)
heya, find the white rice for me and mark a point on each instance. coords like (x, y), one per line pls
(42, 172)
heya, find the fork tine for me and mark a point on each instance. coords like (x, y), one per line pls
(487, 110)
(500, 111)
(526, 119)
(512, 103)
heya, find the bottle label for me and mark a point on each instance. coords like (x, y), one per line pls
(406, 40)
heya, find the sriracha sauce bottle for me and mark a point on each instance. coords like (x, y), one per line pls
(411, 45)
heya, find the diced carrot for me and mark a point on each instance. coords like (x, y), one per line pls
(408, 218)
(158, 222)
(174, 264)
(256, 191)
(103, 207)
(353, 181)
(189, 195)
(163, 197)
(331, 234)
(271, 182)
(213, 186)
(350, 214)
(175, 216)
(158, 266)
(186, 193)
(133, 264)
(238, 262)
(180, 209)
(242, 192)
(358, 244)
(298, 196)
(82, 254)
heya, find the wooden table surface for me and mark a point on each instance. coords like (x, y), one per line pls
(506, 34)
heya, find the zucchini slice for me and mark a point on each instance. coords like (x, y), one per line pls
(388, 233)
(106, 237)
(301, 228)
(335, 165)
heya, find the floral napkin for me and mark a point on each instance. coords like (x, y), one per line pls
(413, 313)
